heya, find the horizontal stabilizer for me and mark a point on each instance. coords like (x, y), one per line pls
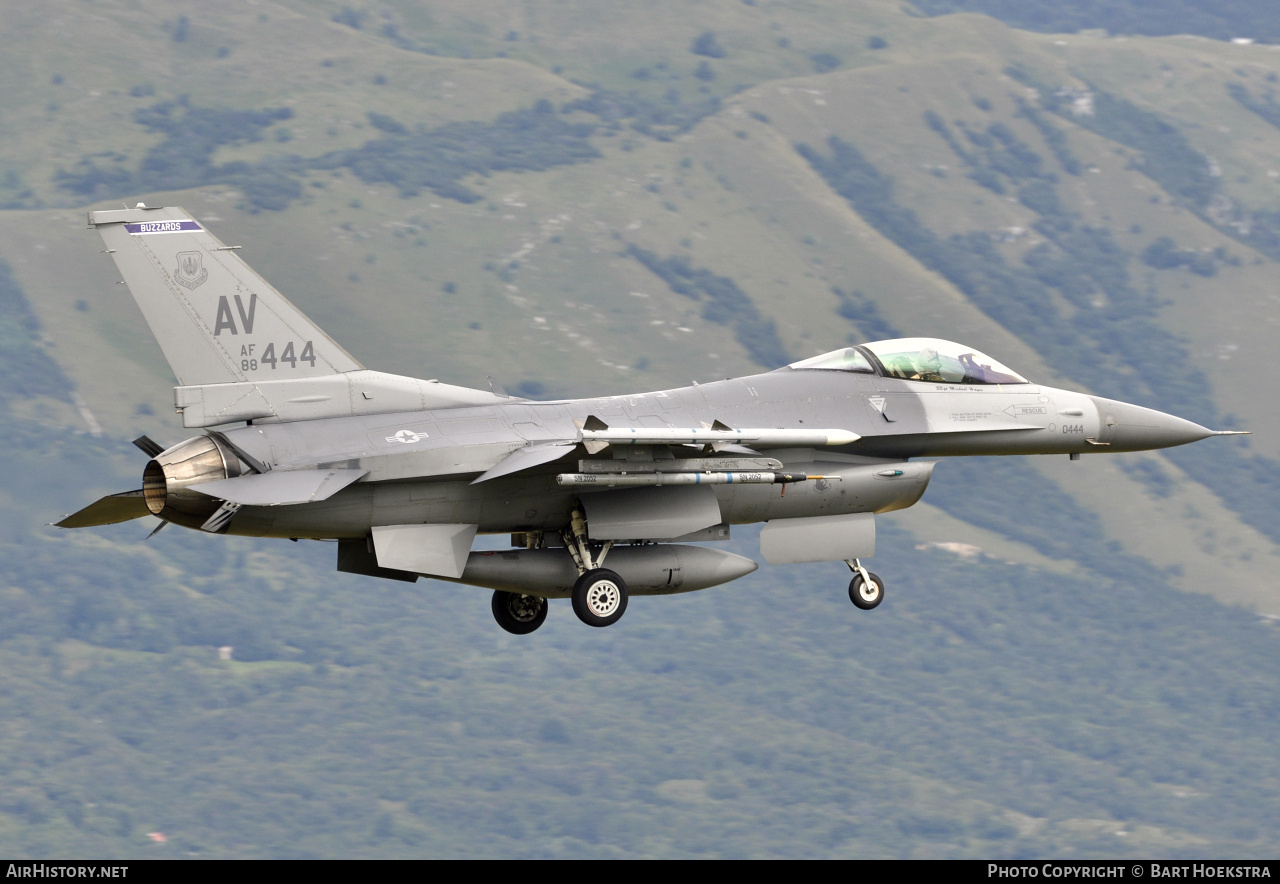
(528, 457)
(280, 487)
(114, 508)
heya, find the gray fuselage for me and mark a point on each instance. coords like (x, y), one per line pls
(421, 464)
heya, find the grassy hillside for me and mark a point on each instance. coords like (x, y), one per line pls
(579, 204)
(1221, 21)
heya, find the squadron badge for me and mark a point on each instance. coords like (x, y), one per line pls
(191, 272)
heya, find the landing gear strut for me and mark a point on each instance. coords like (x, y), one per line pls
(599, 595)
(866, 590)
(519, 614)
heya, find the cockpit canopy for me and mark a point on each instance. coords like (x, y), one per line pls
(916, 359)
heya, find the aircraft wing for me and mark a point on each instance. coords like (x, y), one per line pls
(280, 487)
(113, 508)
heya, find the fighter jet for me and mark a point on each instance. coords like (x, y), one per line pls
(603, 498)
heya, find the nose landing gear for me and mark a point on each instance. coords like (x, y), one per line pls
(866, 590)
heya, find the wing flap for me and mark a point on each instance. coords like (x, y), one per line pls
(113, 508)
(280, 487)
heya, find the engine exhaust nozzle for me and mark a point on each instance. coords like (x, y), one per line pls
(169, 473)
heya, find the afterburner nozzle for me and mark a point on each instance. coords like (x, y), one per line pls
(169, 473)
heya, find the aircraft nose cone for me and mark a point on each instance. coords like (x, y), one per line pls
(1134, 428)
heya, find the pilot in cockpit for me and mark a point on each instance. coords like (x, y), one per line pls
(928, 365)
(918, 359)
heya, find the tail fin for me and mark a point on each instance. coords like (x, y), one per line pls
(216, 320)
(240, 350)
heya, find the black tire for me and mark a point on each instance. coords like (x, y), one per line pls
(519, 614)
(873, 595)
(600, 597)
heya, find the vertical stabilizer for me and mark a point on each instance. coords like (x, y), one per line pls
(216, 320)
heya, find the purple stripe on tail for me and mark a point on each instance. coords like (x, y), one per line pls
(162, 227)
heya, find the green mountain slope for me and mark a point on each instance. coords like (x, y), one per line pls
(1221, 21)
(578, 204)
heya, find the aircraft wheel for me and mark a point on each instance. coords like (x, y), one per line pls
(600, 597)
(866, 596)
(519, 614)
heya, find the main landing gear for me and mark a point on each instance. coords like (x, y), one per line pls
(600, 597)
(866, 590)
(519, 614)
